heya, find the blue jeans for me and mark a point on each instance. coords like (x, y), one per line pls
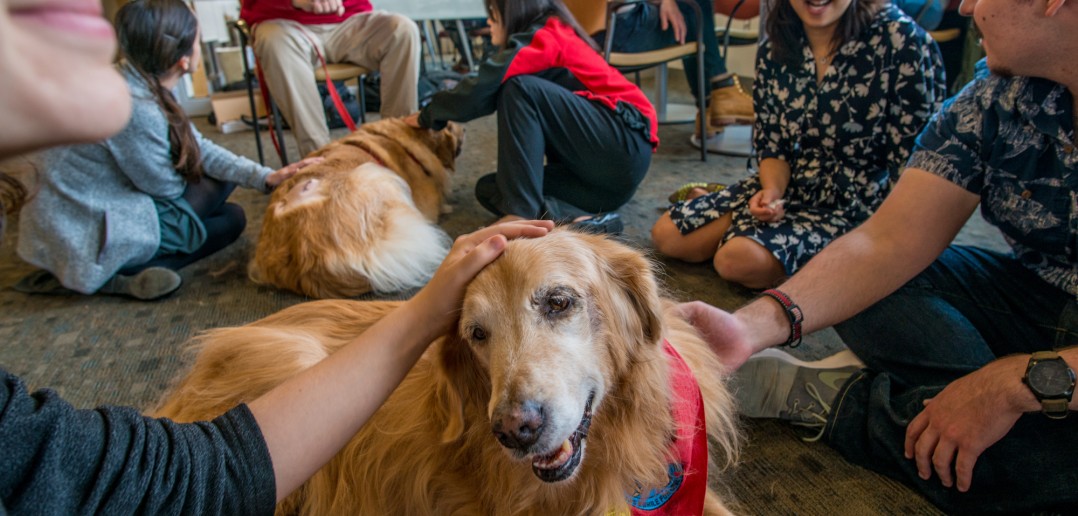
(968, 308)
(640, 30)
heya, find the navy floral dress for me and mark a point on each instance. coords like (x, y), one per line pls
(845, 138)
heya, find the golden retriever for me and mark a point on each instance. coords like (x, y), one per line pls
(344, 227)
(566, 331)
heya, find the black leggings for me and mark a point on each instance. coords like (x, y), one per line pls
(224, 223)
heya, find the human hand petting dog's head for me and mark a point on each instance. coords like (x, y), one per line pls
(442, 297)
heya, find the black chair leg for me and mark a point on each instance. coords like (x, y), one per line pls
(282, 151)
(701, 101)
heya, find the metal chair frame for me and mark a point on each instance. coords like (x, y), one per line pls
(249, 76)
(634, 62)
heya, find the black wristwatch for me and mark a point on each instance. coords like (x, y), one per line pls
(1052, 382)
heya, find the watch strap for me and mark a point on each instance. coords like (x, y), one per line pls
(1055, 408)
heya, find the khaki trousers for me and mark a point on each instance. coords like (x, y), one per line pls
(377, 40)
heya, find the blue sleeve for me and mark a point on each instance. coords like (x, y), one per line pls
(950, 145)
(55, 459)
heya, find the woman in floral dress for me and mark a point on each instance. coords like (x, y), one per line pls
(842, 89)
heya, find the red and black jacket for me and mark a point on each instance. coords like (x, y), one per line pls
(550, 49)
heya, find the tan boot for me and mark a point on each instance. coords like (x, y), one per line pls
(730, 105)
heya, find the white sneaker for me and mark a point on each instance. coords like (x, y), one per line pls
(733, 140)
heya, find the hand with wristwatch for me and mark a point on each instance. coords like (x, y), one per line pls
(1052, 382)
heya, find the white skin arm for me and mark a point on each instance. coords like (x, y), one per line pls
(971, 414)
(912, 227)
(774, 178)
(306, 420)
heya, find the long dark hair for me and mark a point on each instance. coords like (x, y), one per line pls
(517, 15)
(154, 35)
(784, 28)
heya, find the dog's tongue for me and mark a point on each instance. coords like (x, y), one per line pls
(555, 459)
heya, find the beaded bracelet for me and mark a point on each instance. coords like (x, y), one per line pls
(793, 313)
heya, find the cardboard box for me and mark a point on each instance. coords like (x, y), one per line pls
(231, 105)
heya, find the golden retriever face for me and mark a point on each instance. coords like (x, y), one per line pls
(556, 340)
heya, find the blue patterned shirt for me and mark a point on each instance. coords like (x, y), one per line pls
(1012, 141)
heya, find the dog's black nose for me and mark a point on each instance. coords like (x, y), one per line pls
(520, 425)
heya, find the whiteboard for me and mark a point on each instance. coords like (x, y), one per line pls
(434, 9)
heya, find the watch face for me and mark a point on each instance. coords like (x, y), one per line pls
(1051, 378)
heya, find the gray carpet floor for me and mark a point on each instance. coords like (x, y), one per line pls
(108, 350)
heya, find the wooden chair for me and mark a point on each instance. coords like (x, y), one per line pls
(636, 61)
(337, 72)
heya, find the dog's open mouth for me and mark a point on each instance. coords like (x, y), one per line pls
(561, 463)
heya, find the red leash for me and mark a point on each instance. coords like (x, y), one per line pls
(264, 88)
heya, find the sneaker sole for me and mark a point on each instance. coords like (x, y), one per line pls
(844, 358)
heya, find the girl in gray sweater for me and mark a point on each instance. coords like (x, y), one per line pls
(121, 216)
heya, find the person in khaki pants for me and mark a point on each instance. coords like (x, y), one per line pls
(290, 35)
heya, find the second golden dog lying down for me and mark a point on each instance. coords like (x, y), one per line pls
(554, 397)
(363, 219)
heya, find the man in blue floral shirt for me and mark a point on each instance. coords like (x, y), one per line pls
(962, 369)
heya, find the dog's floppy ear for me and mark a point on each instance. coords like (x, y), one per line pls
(461, 382)
(638, 292)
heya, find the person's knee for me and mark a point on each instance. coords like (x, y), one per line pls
(277, 40)
(669, 241)
(748, 263)
(236, 221)
(404, 31)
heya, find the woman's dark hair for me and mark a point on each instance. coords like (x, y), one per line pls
(784, 28)
(154, 35)
(517, 15)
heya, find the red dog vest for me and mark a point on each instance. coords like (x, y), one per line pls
(684, 493)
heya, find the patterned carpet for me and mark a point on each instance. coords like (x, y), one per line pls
(108, 350)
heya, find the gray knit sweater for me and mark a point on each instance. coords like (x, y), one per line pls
(94, 212)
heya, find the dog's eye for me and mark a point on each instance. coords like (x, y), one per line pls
(479, 334)
(559, 303)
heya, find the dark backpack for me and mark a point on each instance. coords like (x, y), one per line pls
(351, 102)
(430, 82)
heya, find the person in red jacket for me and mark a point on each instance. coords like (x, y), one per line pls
(556, 98)
(292, 37)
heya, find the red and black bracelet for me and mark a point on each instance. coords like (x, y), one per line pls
(793, 313)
